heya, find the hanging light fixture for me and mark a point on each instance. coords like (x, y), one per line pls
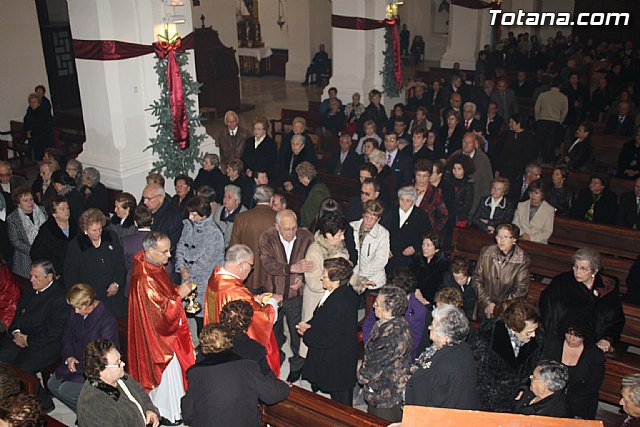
(281, 20)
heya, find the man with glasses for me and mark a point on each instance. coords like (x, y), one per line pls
(518, 189)
(158, 338)
(8, 181)
(227, 284)
(282, 250)
(369, 190)
(166, 218)
(398, 162)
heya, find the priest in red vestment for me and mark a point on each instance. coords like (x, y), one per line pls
(160, 349)
(227, 284)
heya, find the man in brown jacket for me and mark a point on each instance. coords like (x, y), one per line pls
(282, 251)
(247, 229)
(231, 139)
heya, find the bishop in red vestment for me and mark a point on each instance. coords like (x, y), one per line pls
(227, 284)
(158, 328)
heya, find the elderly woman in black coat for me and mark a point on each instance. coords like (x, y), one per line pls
(96, 257)
(546, 396)
(387, 356)
(66, 186)
(585, 361)
(583, 292)
(94, 192)
(506, 350)
(38, 125)
(225, 389)
(444, 375)
(332, 334)
(55, 234)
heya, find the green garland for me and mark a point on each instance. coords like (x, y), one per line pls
(171, 160)
(388, 76)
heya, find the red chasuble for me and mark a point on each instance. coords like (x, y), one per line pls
(223, 288)
(157, 325)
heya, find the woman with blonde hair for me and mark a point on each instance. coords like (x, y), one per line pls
(89, 320)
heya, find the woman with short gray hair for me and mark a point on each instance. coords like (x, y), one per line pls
(226, 214)
(583, 291)
(387, 356)
(449, 360)
(546, 396)
(631, 397)
(94, 192)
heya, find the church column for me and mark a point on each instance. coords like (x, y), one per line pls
(469, 31)
(116, 94)
(357, 54)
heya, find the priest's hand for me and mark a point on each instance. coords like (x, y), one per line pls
(71, 364)
(185, 289)
(112, 289)
(302, 266)
(302, 327)
(151, 418)
(488, 311)
(184, 274)
(288, 186)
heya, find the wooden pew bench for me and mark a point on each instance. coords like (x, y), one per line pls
(69, 133)
(607, 239)
(606, 149)
(304, 408)
(546, 260)
(14, 147)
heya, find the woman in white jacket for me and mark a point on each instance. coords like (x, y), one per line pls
(535, 217)
(372, 243)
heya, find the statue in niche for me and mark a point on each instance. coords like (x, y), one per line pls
(248, 24)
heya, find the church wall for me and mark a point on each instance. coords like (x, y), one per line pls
(221, 15)
(22, 66)
(320, 26)
(555, 6)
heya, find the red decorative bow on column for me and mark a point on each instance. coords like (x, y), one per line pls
(109, 50)
(174, 84)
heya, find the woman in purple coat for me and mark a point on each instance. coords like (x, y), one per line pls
(416, 313)
(90, 320)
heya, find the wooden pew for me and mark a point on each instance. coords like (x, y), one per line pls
(606, 149)
(286, 120)
(546, 260)
(28, 381)
(304, 408)
(580, 180)
(607, 239)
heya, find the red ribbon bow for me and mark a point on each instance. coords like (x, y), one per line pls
(168, 50)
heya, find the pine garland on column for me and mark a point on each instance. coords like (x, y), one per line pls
(171, 160)
(389, 83)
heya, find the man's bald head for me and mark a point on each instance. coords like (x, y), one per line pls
(153, 196)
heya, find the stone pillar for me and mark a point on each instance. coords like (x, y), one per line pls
(357, 54)
(468, 32)
(116, 94)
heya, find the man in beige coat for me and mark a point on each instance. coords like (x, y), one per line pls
(282, 250)
(249, 226)
(231, 139)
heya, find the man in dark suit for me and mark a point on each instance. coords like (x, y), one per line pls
(400, 163)
(518, 188)
(369, 190)
(231, 140)
(505, 99)
(166, 218)
(521, 87)
(492, 127)
(629, 209)
(344, 161)
(456, 86)
(455, 104)
(620, 124)
(470, 123)
(408, 225)
(418, 99)
(482, 97)
(34, 337)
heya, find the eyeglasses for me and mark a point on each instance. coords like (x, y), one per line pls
(5, 174)
(150, 198)
(248, 263)
(119, 364)
(533, 378)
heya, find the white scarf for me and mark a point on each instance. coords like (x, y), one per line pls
(31, 228)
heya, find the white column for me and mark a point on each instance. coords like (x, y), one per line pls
(298, 15)
(357, 54)
(116, 94)
(468, 32)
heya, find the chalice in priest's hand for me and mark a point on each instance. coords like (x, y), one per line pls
(193, 306)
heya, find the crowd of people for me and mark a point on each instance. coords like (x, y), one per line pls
(205, 280)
